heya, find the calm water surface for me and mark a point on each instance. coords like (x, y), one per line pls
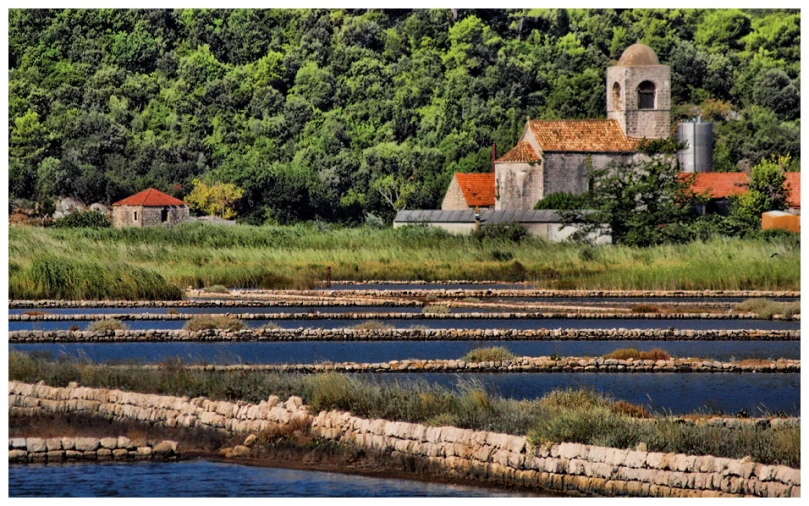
(517, 324)
(383, 351)
(200, 478)
(672, 392)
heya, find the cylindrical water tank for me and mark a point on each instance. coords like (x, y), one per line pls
(698, 153)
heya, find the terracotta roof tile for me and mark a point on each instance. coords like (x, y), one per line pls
(590, 135)
(718, 185)
(150, 198)
(794, 183)
(522, 152)
(478, 189)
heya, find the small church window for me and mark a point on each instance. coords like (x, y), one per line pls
(135, 215)
(616, 96)
(646, 95)
(164, 215)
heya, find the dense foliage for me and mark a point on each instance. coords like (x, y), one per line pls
(334, 114)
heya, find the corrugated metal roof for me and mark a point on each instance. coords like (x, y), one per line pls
(486, 216)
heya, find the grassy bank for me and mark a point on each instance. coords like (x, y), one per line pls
(571, 415)
(153, 263)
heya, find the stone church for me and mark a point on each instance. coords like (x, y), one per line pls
(552, 156)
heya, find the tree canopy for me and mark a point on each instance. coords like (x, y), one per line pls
(338, 114)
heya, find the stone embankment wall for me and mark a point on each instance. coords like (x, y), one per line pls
(34, 449)
(401, 316)
(291, 301)
(497, 292)
(525, 364)
(484, 456)
(281, 300)
(316, 334)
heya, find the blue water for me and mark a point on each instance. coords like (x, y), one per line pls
(517, 324)
(381, 351)
(201, 478)
(672, 392)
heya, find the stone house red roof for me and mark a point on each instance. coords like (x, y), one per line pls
(477, 188)
(150, 198)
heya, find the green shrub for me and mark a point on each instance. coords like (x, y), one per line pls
(644, 308)
(216, 289)
(106, 325)
(270, 326)
(82, 219)
(563, 201)
(510, 232)
(491, 354)
(766, 308)
(210, 322)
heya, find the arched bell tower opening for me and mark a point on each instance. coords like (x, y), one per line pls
(640, 93)
(616, 96)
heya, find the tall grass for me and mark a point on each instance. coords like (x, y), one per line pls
(490, 354)
(562, 415)
(110, 263)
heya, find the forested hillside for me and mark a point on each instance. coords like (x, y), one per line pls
(322, 114)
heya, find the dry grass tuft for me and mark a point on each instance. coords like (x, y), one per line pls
(106, 326)
(635, 354)
(210, 322)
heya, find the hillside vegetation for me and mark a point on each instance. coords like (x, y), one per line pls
(338, 114)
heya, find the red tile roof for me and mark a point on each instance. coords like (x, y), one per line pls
(590, 135)
(718, 185)
(794, 183)
(150, 198)
(522, 152)
(478, 189)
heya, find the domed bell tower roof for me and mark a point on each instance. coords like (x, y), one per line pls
(638, 55)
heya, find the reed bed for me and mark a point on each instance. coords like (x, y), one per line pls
(157, 262)
(574, 415)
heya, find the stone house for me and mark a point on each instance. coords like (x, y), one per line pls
(470, 191)
(149, 208)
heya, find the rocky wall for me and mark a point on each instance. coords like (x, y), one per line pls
(525, 364)
(603, 315)
(34, 449)
(346, 334)
(484, 456)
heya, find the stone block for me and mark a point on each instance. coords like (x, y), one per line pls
(104, 453)
(17, 443)
(17, 455)
(35, 445)
(144, 452)
(86, 444)
(68, 443)
(73, 455)
(110, 443)
(120, 453)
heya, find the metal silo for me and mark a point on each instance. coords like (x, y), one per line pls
(698, 154)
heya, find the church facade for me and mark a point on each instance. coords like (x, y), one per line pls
(557, 155)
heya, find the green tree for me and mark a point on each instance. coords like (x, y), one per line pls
(635, 202)
(766, 192)
(215, 199)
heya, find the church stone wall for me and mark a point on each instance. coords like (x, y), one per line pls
(568, 172)
(519, 185)
(124, 216)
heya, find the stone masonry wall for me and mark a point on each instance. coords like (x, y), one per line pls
(568, 172)
(518, 186)
(34, 449)
(124, 216)
(347, 334)
(523, 364)
(454, 199)
(484, 456)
